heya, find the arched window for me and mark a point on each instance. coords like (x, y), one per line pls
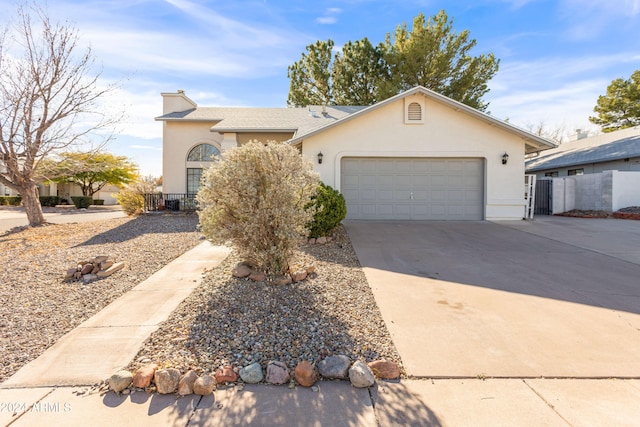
(203, 153)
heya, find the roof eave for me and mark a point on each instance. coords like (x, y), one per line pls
(181, 119)
(536, 142)
(252, 130)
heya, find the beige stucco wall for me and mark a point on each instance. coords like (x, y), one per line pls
(445, 133)
(177, 140)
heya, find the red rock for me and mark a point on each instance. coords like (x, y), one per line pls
(241, 271)
(258, 276)
(226, 375)
(385, 369)
(306, 374)
(282, 280)
(312, 241)
(299, 276)
(86, 269)
(143, 376)
(321, 240)
(70, 273)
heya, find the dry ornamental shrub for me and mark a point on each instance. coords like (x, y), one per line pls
(256, 197)
(131, 198)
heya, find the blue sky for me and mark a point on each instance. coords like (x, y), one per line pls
(556, 57)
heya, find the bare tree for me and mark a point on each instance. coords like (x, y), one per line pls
(48, 99)
(556, 133)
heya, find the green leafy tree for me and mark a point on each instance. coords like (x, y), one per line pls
(432, 54)
(620, 107)
(256, 197)
(310, 77)
(92, 171)
(356, 74)
(49, 99)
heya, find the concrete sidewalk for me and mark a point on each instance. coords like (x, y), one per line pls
(11, 217)
(444, 402)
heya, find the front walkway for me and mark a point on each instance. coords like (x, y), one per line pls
(109, 340)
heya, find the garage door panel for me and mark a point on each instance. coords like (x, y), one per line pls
(386, 181)
(368, 195)
(413, 188)
(387, 195)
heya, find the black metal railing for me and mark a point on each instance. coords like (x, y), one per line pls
(173, 202)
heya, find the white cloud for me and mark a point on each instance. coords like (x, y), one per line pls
(587, 19)
(560, 92)
(330, 16)
(327, 20)
(145, 147)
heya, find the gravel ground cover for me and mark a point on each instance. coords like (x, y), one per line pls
(230, 321)
(38, 306)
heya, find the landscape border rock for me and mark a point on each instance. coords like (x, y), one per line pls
(90, 270)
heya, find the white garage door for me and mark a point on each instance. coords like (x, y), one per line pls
(413, 188)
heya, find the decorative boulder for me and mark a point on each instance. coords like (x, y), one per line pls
(204, 385)
(335, 367)
(226, 375)
(277, 373)
(241, 271)
(252, 374)
(120, 380)
(385, 369)
(186, 383)
(306, 374)
(167, 380)
(361, 375)
(299, 275)
(143, 376)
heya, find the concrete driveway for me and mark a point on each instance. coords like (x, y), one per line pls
(558, 297)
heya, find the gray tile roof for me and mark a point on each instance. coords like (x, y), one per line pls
(310, 120)
(617, 145)
(241, 119)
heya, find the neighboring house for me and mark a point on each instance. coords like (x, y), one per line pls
(418, 155)
(619, 150)
(67, 190)
(595, 173)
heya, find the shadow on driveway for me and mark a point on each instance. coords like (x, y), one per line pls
(497, 257)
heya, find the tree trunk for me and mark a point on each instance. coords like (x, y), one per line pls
(31, 203)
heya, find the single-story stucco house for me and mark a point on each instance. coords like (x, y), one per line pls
(619, 150)
(416, 156)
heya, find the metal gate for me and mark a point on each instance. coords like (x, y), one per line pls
(544, 197)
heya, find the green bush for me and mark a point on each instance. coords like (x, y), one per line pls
(330, 208)
(256, 197)
(98, 202)
(81, 202)
(10, 200)
(50, 201)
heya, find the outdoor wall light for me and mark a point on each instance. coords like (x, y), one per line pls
(505, 158)
(320, 156)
